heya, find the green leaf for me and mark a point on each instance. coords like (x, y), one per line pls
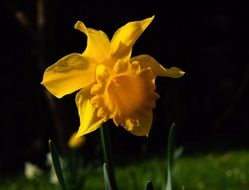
(57, 164)
(170, 154)
(107, 152)
(149, 186)
(106, 177)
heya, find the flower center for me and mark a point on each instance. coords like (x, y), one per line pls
(125, 95)
(128, 93)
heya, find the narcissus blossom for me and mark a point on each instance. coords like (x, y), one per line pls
(111, 83)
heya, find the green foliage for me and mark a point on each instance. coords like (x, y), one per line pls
(107, 182)
(70, 170)
(75, 170)
(229, 171)
(108, 168)
(57, 164)
(170, 154)
(20, 182)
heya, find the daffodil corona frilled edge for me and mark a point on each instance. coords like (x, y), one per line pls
(111, 83)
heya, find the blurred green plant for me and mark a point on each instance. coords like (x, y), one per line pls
(70, 171)
(216, 171)
(108, 167)
(57, 164)
(170, 153)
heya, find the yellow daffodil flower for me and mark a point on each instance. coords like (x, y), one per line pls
(112, 84)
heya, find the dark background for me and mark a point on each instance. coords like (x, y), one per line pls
(209, 104)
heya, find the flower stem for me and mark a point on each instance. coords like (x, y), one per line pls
(107, 152)
(170, 152)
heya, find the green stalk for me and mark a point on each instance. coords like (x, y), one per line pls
(170, 152)
(107, 152)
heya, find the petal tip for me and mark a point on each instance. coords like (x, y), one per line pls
(182, 73)
(174, 72)
(148, 20)
(79, 25)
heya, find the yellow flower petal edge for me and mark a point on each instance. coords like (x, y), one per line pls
(148, 61)
(69, 74)
(125, 37)
(98, 43)
(89, 121)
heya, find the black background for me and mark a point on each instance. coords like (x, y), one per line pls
(209, 105)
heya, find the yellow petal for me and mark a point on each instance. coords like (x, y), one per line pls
(89, 121)
(98, 43)
(148, 61)
(69, 74)
(143, 129)
(125, 37)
